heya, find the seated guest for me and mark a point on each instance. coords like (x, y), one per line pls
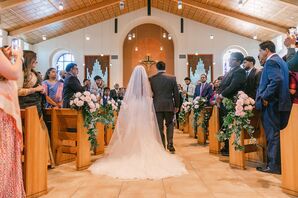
(215, 88)
(62, 75)
(86, 84)
(72, 84)
(203, 89)
(53, 89)
(233, 82)
(253, 76)
(11, 181)
(294, 86)
(98, 86)
(273, 100)
(30, 87)
(292, 55)
(115, 92)
(106, 96)
(189, 89)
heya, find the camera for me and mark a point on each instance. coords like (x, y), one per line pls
(293, 32)
(15, 44)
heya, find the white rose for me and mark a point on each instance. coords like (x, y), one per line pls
(252, 101)
(109, 102)
(96, 105)
(91, 105)
(80, 103)
(86, 93)
(71, 102)
(196, 106)
(76, 100)
(92, 110)
(247, 101)
(78, 94)
(93, 97)
(82, 97)
(101, 101)
(88, 99)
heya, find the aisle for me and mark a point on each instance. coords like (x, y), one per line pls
(208, 177)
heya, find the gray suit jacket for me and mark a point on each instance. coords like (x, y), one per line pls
(165, 92)
(292, 59)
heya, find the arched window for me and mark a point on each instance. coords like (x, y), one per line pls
(227, 54)
(63, 60)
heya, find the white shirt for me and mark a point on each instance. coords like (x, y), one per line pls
(190, 90)
(270, 56)
(248, 71)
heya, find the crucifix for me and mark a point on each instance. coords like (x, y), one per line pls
(147, 61)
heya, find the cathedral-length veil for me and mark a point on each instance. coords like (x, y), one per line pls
(136, 150)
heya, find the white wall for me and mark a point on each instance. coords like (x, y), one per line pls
(103, 40)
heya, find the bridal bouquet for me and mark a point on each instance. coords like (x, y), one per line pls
(87, 102)
(199, 103)
(185, 109)
(237, 119)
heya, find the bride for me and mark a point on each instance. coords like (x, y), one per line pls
(136, 150)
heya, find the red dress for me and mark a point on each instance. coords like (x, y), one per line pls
(294, 86)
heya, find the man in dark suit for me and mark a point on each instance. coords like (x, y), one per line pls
(273, 99)
(203, 89)
(166, 102)
(232, 82)
(72, 84)
(115, 92)
(253, 76)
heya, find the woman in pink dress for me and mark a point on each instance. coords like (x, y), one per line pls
(11, 182)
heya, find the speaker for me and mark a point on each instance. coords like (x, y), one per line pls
(181, 25)
(149, 7)
(116, 26)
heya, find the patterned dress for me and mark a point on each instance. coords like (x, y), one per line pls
(11, 182)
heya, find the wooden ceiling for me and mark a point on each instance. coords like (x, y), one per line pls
(30, 19)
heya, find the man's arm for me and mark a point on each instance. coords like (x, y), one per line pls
(293, 62)
(238, 81)
(176, 93)
(75, 85)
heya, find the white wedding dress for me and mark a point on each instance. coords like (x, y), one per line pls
(136, 150)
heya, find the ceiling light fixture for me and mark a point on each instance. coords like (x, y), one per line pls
(211, 37)
(169, 37)
(164, 35)
(136, 49)
(179, 4)
(61, 6)
(196, 53)
(241, 3)
(121, 5)
(129, 37)
(87, 38)
(255, 37)
(101, 55)
(161, 48)
(44, 37)
(133, 35)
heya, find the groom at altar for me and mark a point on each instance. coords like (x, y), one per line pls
(166, 102)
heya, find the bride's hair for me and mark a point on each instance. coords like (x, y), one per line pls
(138, 85)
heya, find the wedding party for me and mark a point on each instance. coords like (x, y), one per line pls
(148, 98)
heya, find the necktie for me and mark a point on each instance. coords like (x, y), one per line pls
(202, 88)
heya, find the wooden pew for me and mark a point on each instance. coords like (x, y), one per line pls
(35, 170)
(100, 139)
(202, 135)
(70, 138)
(108, 134)
(214, 126)
(186, 124)
(289, 154)
(190, 125)
(237, 159)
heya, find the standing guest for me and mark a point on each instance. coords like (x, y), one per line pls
(72, 84)
(292, 55)
(180, 89)
(115, 92)
(62, 75)
(253, 76)
(98, 86)
(121, 93)
(232, 82)
(53, 89)
(203, 89)
(294, 86)
(106, 96)
(189, 89)
(87, 84)
(30, 87)
(215, 89)
(273, 99)
(11, 181)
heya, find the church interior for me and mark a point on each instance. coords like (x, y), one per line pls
(230, 147)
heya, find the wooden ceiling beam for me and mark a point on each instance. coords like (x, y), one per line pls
(63, 17)
(10, 4)
(236, 15)
(290, 2)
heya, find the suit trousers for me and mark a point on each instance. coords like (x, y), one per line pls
(168, 118)
(271, 119)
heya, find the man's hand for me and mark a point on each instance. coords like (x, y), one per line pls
(218, 99)
(265, 103)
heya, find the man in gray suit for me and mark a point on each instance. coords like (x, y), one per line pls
(166, 102)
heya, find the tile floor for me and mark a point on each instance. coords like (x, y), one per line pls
(208, 177)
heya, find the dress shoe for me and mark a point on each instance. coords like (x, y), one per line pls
(268, 170)
(224, 152)
(171, 148)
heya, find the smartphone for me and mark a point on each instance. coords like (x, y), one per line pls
(15, 44)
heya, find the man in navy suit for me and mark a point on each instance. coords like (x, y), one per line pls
(273, 99)
(203, 89)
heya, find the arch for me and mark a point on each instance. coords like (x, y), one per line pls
(226, 56)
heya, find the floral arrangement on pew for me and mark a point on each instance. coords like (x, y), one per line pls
(199, 103)
(185, 109)
(205, 123)
(87, 102)
(106, 113)
(237, 119)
